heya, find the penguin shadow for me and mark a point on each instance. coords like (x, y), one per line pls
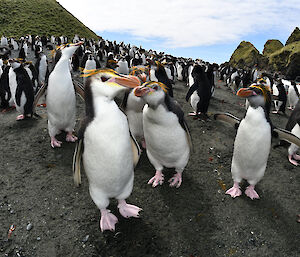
(132, 237)
(190, 211)
(28, 122)
(272, 214)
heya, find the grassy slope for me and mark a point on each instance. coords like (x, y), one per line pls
(42, 17)
(272, 46)
(245, 55)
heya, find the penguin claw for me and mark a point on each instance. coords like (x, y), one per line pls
(55, 142)
(20, 117)
(250, 192)
(296, 157)
(107, 221)
(234, 192)
(71, 138)
(158, 179)
(176, 180)
(294, 162)
(128, 210)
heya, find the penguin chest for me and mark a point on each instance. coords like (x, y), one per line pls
(195, 100)
(252, 144)
(107, 157)
(166, 140)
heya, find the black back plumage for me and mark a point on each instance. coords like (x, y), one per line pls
(161, 75)
(203, 87)
(24, 84)
(294, 118)
(5, 93)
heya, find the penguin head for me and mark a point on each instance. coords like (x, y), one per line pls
(107, 82)
(152, 92)
(68, 50)
(257, 95)
(14, 63)
(140, 73)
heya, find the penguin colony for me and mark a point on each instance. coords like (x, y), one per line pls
(148, 119)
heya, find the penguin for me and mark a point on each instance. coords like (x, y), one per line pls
(279, 93)
(41, 67)
(61, 100)
(133, 108)
(5, 93)
(293, 95)
(22, 93)
(254, 132)
(166, 133)
(32, 73)
(4, 41)
(293, 125)
(108, 166)
(158, 74)
(75, 62)
(122, 67)
(199, 92)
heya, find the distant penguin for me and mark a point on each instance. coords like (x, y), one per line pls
(41, 67)
(108, 166)
(123, 67)
(293, 125)
(253, 141)
(168, 142)
(61, 100)
(4, 41)
(22, 92)
(199, 92)
(22, 54)
(5, 92)
(75, 62)
(279, 92)
(293, 95)
(32, 73)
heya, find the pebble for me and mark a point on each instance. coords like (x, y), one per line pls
(29, 226)
(85, 239)
(38, 238)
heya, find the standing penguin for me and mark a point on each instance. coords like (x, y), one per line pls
(158, 74)
(109, 166)
(167, 136)
(61, 100)
(280, 96)
(22, 92)
(41, 67)
(199, 92)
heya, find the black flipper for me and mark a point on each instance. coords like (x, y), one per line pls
(192, 89)
(229, 118)
(136, 150)
(286, 136)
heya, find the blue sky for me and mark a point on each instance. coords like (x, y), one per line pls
(210, 30)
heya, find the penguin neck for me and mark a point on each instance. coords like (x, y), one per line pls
(63, 64)
(104, 105)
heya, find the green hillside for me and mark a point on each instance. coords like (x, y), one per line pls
(39, 17)
(271, 46)
(245, 55)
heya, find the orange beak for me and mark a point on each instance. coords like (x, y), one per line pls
(245, 92)
(79, 43)
(140, 91)
(128, 81)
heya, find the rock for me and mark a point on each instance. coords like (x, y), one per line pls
(29, 226)
(295, 36)
(85, 239)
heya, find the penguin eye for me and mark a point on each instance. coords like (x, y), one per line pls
(67, 45)
(155, 87)
(104, 79)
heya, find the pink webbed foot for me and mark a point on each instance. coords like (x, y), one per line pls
(108, 220)
(128, 210)
(71, 138)
(294, 162)
(275, 112)
(176, 180)
(55, 142)
(296, 157)
(20, 117)
(250, 192)
(192, 114)
(158, 179)
(234, 191)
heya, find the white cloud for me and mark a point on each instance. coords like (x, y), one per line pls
(190, 23)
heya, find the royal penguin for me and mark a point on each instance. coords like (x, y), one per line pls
(133, 108)
(253, 141)
(158, 74)
(293, 94)
(109, 166)
(123, 67)
(41, 67)
(166, 133)
(199, 92)
(279, 93)
(61, 99)
(5, 92)
(21, 87)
